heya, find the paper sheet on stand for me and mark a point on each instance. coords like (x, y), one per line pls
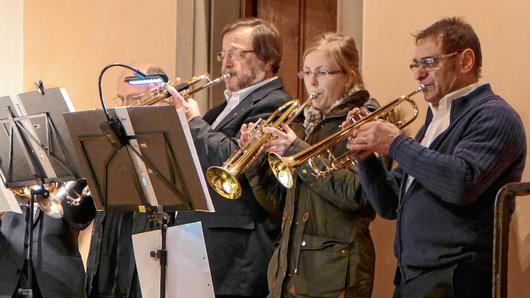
(188, 271)
(8, 202)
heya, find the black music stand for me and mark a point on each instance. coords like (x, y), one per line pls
(33, 150)
(156, 169)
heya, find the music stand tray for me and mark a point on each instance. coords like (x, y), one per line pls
(34, 121)
(158, 168)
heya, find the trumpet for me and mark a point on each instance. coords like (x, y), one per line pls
(71, 192)
(160, 93)
(284, 167)
(224, 179)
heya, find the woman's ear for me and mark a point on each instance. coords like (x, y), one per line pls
(352, 79)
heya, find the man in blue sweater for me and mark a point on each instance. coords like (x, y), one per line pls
(442, 193)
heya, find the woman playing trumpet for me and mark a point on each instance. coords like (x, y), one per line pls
(325, 249)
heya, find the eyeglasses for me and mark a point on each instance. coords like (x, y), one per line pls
(431, 62)
(232, 54)
(305, 74)
(129, 98)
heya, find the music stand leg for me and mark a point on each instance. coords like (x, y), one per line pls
(28, 290)
(162, 253)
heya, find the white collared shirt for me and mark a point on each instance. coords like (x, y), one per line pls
(442, 117)
(234, 98)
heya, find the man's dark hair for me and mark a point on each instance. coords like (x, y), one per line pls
(455, 35)
(266, 41)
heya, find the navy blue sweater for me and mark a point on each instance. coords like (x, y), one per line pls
(446, 216)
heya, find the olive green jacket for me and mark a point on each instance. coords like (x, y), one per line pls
(325, 249)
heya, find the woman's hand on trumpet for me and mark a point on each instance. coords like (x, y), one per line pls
(188, 106)
(374, 136)
(280, 141)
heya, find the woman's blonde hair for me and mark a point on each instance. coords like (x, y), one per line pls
(342, 50)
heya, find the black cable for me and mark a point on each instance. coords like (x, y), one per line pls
(112, 128)
(103, 104)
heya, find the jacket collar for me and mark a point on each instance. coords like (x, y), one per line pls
(461, 105)
(357, 99)
(251, 100)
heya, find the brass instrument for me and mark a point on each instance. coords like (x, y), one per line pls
(71, 192)
(160, 93)
(284, 167)
(224, 179)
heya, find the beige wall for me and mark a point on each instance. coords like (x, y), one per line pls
(66, 43)
(10, 47)
(504, 28)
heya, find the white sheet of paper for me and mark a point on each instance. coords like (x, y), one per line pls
(8, 202)
(195, 156)
(188, 270)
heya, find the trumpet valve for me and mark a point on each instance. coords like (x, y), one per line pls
(331, 157)
(255, 132)
(168, 100)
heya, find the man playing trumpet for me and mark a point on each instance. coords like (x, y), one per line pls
(442, 193)
(239, 235)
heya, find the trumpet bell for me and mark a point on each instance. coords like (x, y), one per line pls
(71, 192)
(281, 170)
(223, 182)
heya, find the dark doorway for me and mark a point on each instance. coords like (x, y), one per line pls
(298, 21)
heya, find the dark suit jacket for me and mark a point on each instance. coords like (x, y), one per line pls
(56, 262)
(240, 234)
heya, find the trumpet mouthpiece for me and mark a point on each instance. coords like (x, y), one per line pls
(313, 95)
(423, 87)
(204, 77)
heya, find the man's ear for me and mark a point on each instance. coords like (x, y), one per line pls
(467, 61)
(268, 66)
